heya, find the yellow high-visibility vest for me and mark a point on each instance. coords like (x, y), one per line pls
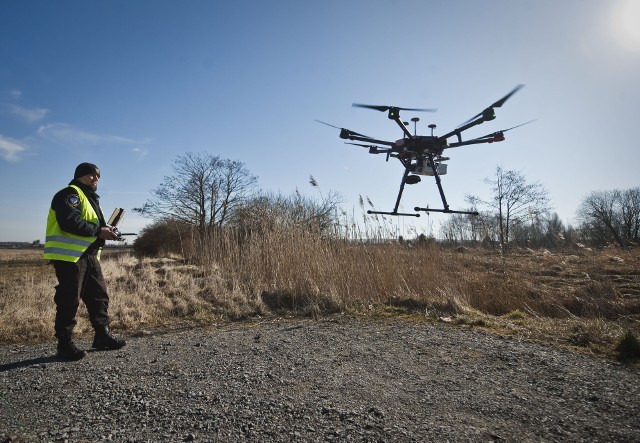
(61, 245)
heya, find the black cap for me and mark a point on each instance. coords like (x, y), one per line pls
(86, 168)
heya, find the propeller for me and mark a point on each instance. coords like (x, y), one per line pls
(343, 129)
(386, 108)
(363, 145)
(497, 104)
(500, 102)
(493, 134)
(521, 124)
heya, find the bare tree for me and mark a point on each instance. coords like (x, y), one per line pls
(630, 214)
(467, 228)
(598, 218)
(514, 201)
(456, 229)
(267, 212)
(554, 235)
(202, 191)
(611, 217)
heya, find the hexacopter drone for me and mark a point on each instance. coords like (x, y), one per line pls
(422, 154)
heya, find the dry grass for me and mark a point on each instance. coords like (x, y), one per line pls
(584, 299)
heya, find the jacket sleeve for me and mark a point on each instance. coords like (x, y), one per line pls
(67, 207)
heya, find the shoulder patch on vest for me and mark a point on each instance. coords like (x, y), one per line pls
(73, 200)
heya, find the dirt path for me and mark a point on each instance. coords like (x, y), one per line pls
(338, 379)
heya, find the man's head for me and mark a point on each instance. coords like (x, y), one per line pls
(88, 174)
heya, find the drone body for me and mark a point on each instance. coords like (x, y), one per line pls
(421, 155)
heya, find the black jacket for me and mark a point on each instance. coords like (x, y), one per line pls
(69, 216)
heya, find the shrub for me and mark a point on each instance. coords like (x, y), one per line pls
(628, 348)
(164, 237)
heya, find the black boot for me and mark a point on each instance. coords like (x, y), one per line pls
(104, 339)
(67, 350)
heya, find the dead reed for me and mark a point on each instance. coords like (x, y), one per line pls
(582, 298)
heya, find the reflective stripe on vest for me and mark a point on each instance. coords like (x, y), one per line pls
(61, 245)
(71, 241)
(62, 251)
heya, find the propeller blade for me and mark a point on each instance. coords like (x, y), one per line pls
(360, 144)
(386, 108)
(521, 124)
(497, 104)
(342, 129)
(471, 119)
(328, 124)
(377, 108)
(484, 137)
(493, 134)
(500, 102)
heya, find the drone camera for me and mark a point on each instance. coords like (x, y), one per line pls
(412, 179)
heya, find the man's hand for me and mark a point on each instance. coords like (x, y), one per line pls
(107, 233)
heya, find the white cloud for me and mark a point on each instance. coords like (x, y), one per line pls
(10, 149)
(31, 115)
(65, 134)
(72, 137)
(15, 93)
(140, 152)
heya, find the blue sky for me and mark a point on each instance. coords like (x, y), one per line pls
(130, 85)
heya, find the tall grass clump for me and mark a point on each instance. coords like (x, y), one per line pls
(297, 268)
(315, 274)
(26, 302)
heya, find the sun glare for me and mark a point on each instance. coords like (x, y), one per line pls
(625, 23)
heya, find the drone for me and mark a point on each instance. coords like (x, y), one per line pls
(421, 155)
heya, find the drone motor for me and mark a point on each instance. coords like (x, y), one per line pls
(489, 114)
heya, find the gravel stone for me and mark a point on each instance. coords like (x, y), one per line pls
(338, 379)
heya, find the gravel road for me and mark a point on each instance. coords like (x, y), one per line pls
(339, 379)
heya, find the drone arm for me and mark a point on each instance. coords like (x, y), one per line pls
(403, 127)
(497, 136)
(463, 128)
(370, 140)
(476, 141)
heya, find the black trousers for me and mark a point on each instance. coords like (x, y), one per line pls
(84, 281)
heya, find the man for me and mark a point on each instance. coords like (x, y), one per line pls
(76, 233)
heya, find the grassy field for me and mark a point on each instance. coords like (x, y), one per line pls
(584, 299)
